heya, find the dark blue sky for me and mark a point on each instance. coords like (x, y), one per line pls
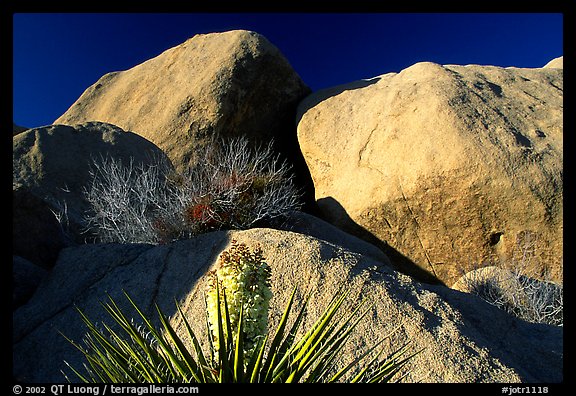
(57, 56)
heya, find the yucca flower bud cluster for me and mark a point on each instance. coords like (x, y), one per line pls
(244, 276)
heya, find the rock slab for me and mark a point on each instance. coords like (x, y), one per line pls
(445, 167)
(228, 84)
(462, 338)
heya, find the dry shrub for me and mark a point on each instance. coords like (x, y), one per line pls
(513, 288)
(233, 186)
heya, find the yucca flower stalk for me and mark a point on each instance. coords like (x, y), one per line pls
(244, 277)
(147, 354)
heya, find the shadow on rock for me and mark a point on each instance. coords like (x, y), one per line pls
(86, 276)
(314, 99)
(334, 213)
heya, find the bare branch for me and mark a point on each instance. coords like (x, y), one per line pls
(233, 186)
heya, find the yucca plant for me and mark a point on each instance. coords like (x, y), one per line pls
(244, 276)
(150, 355)
(240, 347)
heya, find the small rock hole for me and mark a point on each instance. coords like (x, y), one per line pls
(540, 134)
(495, 238)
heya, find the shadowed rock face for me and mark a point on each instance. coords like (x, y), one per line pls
(36, 233)
(449, 166)
(227, 84)
(26, 277)
(50, 168)
(17, 129)
(462, 338)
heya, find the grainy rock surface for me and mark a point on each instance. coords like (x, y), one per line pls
(307, 224)
(462, 338)
(446, 167)
(226, 84)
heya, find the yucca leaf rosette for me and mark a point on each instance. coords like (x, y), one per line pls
(240, 347)
(243, 277)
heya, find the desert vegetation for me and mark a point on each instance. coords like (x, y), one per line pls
(439, 163)
(232, 186)
(241, 348)
(514, 289)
